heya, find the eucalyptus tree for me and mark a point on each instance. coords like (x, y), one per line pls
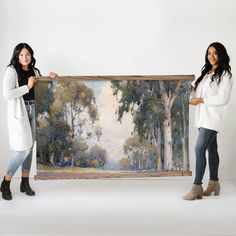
(151, 102)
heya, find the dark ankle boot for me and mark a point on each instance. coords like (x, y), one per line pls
(25, 187)
(5, 189)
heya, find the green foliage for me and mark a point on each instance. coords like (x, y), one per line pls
(59, 121)
(150, 103)
(44, 90)
(78, 95)
(140, 155)
(124, 163)
(99, 154)
(143, 99)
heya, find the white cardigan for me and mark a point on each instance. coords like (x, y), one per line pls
(211, 113)
(20, 135)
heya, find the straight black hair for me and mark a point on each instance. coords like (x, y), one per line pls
(15, 58)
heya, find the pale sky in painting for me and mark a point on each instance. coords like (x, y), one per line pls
(114, 133)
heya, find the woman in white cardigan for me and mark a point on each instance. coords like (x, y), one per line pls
(210, 94)
(18, 89)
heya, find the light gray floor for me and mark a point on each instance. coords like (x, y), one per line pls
(118, 207)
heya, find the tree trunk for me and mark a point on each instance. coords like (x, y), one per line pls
(157, 143)
(185, 155)
(183, 139)
(168, 153)
(169, 98)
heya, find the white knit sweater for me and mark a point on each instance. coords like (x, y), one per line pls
(20, 135)
(211, 113)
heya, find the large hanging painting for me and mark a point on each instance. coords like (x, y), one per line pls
(112, 126)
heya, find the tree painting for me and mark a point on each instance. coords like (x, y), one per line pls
(112, 127)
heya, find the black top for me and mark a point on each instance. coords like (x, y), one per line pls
(23, 80)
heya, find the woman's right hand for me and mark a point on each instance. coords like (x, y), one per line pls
(195, 101)
(31, 81)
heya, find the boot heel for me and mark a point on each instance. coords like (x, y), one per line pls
(25, 187)
(22, 189)
(199, 197)
(213, 187)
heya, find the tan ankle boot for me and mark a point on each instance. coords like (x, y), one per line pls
(213, 187)
(196, 192)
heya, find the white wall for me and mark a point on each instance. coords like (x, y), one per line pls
(4, 147)
(121, 37)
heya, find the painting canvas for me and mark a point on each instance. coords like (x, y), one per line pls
(112, 126)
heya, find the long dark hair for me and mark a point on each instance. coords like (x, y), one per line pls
(223, 64)
(15, 58)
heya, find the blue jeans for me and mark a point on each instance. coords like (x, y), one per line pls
(206, 141)
(24, 158)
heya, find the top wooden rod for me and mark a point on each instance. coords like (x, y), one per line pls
(119, 77)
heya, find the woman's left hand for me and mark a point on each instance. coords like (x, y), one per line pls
(53, 75)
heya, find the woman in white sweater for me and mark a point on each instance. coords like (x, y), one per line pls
(18, 89)
(210, 94)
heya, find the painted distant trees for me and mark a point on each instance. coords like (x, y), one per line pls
(139, 155)
(160, 115)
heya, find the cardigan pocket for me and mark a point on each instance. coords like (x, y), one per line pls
(21, 124)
